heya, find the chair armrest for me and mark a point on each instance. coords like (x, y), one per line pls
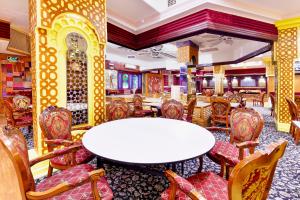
(72, 183)
(81, 128)
(58, 142)
(247, 144)
(55, 153)
(184, 185)
(218, 129)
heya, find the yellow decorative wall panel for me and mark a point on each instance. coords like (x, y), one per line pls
(50, 22)
(286, 52)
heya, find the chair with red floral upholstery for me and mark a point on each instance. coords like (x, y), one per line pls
(17, 111)
(172, 109)
(220, 111)
(117, 109)
(56, 125)
(250, 179)
(138, 107)
(246, 126)
(188, 116)
(78, 182)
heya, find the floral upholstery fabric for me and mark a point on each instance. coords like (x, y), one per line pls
(56, 123)
(117, 109)
(24, 120)
(220, 109)
(172, 109)
(246, 124)
(16, 139)
(138, 102)
(210, 185)
(72, 176)
(81, 156)
(21, 102)
(230, 151)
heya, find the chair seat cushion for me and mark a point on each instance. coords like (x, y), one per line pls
(81, 156)
(81, 192)
(212, 186)
(230, 151)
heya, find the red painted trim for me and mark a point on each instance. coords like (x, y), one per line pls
(4, 30)
(203, 21)
(246, 71)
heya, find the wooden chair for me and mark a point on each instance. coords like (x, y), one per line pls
(273, 105)
(297, 101)
(138, 107)
(260, 100)
(117, 109)
(79, 182)
(188, 116)
(172, 109)
(295, 115)
(250, 179)
(208, 92)
(56, 126)
(220, 111)
(246, 126)
(227, 94)
(17, 111)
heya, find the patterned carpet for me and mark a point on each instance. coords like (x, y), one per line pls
(131, 184)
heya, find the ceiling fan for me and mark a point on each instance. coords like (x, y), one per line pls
(156, 52)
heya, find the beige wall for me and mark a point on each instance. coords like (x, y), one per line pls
(297, 83)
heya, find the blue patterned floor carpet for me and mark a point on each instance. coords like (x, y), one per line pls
(132, 184)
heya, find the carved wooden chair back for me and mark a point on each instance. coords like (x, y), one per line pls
(209, 92)
(190, 107)
(138, 102)
(15, 163)
(246, 125)
(56, 123)
(220, 108)
(262, 96)
(117, 109)
(273, 104)
(172, 109)
(297, 101)
(252, 177)
(235, 98)
(292, 108)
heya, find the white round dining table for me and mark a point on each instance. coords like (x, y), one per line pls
(148, 140)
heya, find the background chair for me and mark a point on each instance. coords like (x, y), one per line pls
(246, 126)
(17, 111)
(79, 182)
(138, 107)
(295, 115)
(172, 109)
(272, 97)
(188, 116)
(227, 94)
(117, 109)
(56, 125)
(220, 111)
(260, 100)
(250, 179)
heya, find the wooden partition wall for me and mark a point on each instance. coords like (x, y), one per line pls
(50, 23)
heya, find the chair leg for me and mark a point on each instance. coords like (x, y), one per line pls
(50, 170)
(297, 136)
(200, 163)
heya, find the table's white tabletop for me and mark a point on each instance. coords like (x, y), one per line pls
(297, 123)
(234, 105)
(148, 140)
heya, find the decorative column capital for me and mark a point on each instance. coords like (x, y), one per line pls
(288, 23)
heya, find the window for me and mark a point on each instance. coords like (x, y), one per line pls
(125, 79)
(135, 82)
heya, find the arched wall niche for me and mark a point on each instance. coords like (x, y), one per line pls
(49, 30)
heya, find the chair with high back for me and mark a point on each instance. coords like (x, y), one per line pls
(138, 107)
(246, 125)
(227, 94)
(117, 109)
(17, 111)
(78, 182)
(273, 105)
(260, 100)
(250, 179)
(188, 116)
(220, 111)
(295, 114)
(172, 109)
(297, 101)
(56, 126)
